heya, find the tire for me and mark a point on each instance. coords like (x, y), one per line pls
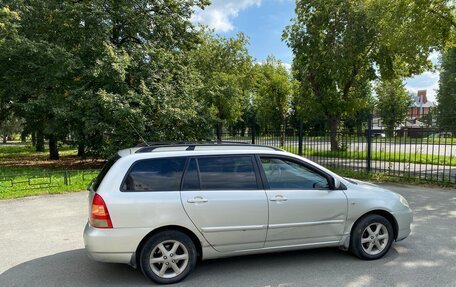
(168, 257)
(371, 237)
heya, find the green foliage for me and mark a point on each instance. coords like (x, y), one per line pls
(98, 68)
(337, 44)
(224, 65)
(393, 104)
(8, 33)
(446, 95)
(10, 126)
(274, 93)
(273, 96)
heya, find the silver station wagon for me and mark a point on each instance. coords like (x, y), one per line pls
(165, 207)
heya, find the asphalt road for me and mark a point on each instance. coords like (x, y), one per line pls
(41, 245)
(404, 146)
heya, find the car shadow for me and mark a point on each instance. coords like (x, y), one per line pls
(74, 268)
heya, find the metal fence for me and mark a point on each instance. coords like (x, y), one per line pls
(47, 179)
(425, 153)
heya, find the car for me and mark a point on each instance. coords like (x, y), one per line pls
(379, 135)
(163, 208)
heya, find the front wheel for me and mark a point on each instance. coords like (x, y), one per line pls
(168, 257)
(372, 237)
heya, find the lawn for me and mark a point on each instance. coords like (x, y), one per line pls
(419, 158)
(24, 172)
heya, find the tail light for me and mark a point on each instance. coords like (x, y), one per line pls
(99, 214)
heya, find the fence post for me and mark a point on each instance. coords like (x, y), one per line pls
(253, 132)
(369, 144)
(300, 138)
(65, 178)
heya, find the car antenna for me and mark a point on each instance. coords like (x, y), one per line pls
(136, 131)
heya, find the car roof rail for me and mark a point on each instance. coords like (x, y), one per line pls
(191, 145)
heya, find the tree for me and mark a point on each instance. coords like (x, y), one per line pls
(446, 96)
(274, 96)
(338, 44)
(224, 65)
(9, 127)
(108, 73)
(8, 33)
(393, 103)
(364, 108)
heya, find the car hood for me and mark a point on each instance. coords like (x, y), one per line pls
(383, 198)
(367, 186)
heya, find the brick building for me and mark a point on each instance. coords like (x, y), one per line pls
(420, 105)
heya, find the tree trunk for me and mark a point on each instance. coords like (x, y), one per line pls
(81, 150)
(333, 128)
(219, 131)
(39, 147)
(33, 139)
(23, 136)
(53, 149)
(4, 138)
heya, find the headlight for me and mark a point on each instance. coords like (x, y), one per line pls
(404, 201)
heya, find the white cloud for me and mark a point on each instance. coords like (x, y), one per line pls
(434, 57)
(219, 14)
(427, 81)
(287, 66)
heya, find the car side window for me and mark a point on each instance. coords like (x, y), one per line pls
(227, 173)
(160, 174)
(286, 174)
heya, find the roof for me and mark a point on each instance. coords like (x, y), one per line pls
(192, 147)
(421, 100)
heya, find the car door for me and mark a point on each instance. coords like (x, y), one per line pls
(302, 207)
(223, 197)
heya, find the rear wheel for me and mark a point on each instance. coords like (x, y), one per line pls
(372, 237)
(168, 257)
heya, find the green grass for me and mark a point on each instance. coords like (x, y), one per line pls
(418, 158)
(24, 172)
(14, 150)
(46, 182)
(381, 177)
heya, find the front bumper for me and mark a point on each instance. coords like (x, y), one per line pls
(116, 245)
(404, 220)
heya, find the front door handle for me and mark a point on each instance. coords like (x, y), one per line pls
(197, 199)
(279, 198)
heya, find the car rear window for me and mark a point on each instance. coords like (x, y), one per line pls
(161, 174)
(111, 161)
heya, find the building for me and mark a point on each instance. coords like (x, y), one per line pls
(420, 105)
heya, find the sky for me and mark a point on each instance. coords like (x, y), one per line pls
(263, 21)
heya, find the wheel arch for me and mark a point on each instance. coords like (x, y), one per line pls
(387, 215)
(186, 231)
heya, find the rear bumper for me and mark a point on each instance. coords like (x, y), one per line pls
(113, 245)
(404, 220)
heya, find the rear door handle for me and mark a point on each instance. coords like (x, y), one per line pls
(279, 198)
(197, 199)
